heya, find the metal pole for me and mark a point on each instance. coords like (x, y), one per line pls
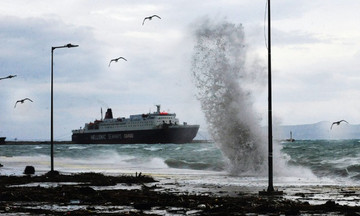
(52, 101)
(270, 154)
(52, 110)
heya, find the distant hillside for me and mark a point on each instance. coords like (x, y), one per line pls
(320, 130)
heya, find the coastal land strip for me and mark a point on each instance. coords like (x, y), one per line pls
(137, 194)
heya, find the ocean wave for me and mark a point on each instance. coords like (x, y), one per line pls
(77, 147)
(339, 162)
(129, 146)
(356, 177)
(182, 164)
(354, 168)
(203, 150)
(153, 148)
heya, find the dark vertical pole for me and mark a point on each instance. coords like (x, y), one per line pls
(52, 111)
(270, 156)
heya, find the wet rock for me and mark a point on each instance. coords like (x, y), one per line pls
(300, 194)
(292, 211)
(87, 191)
(29, 170)
(352, 214)
(330, 204)
(83, 194)
(202, 206)
(142, 206)
(52, 173)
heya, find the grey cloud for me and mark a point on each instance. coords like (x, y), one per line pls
(26, 47)
(281, 38)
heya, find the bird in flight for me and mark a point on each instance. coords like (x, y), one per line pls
(8, 77)
(150, 17)
(22, 101)
(116, 60)
(337, 123)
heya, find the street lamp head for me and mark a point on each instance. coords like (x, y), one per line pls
(71, 45)
(67, 45)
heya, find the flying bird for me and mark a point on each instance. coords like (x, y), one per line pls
(22, 101)
(8, 77)
(116, 60)
(150, 17)
(337, 123)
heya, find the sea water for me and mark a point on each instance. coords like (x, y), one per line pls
(335, 160)
(110, 158)
(321, 169)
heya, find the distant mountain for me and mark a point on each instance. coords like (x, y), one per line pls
(320, 130)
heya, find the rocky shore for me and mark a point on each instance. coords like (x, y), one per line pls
(137, 194)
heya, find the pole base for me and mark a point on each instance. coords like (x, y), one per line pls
(271, 193)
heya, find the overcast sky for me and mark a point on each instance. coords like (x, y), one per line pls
(315, 60)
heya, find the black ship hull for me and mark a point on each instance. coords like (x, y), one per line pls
(178, 135)
(2, 140)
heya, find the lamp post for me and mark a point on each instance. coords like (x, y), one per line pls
(270, 154)
(52, 100)
(270, 190)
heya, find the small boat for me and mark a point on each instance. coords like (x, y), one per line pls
(2, 140)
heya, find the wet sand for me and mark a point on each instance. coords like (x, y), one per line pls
(138, 194)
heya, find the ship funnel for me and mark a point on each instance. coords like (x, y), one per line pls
(108, 114)
(158, 108)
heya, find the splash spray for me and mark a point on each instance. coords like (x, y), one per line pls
(222, 80)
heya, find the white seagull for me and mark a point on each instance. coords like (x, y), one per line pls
(150, 17)
(337, 123)
(116, 60)
(22, 101)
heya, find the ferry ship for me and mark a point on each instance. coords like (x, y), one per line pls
(150, 128)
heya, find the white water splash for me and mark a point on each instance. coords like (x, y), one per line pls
(225, 83)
